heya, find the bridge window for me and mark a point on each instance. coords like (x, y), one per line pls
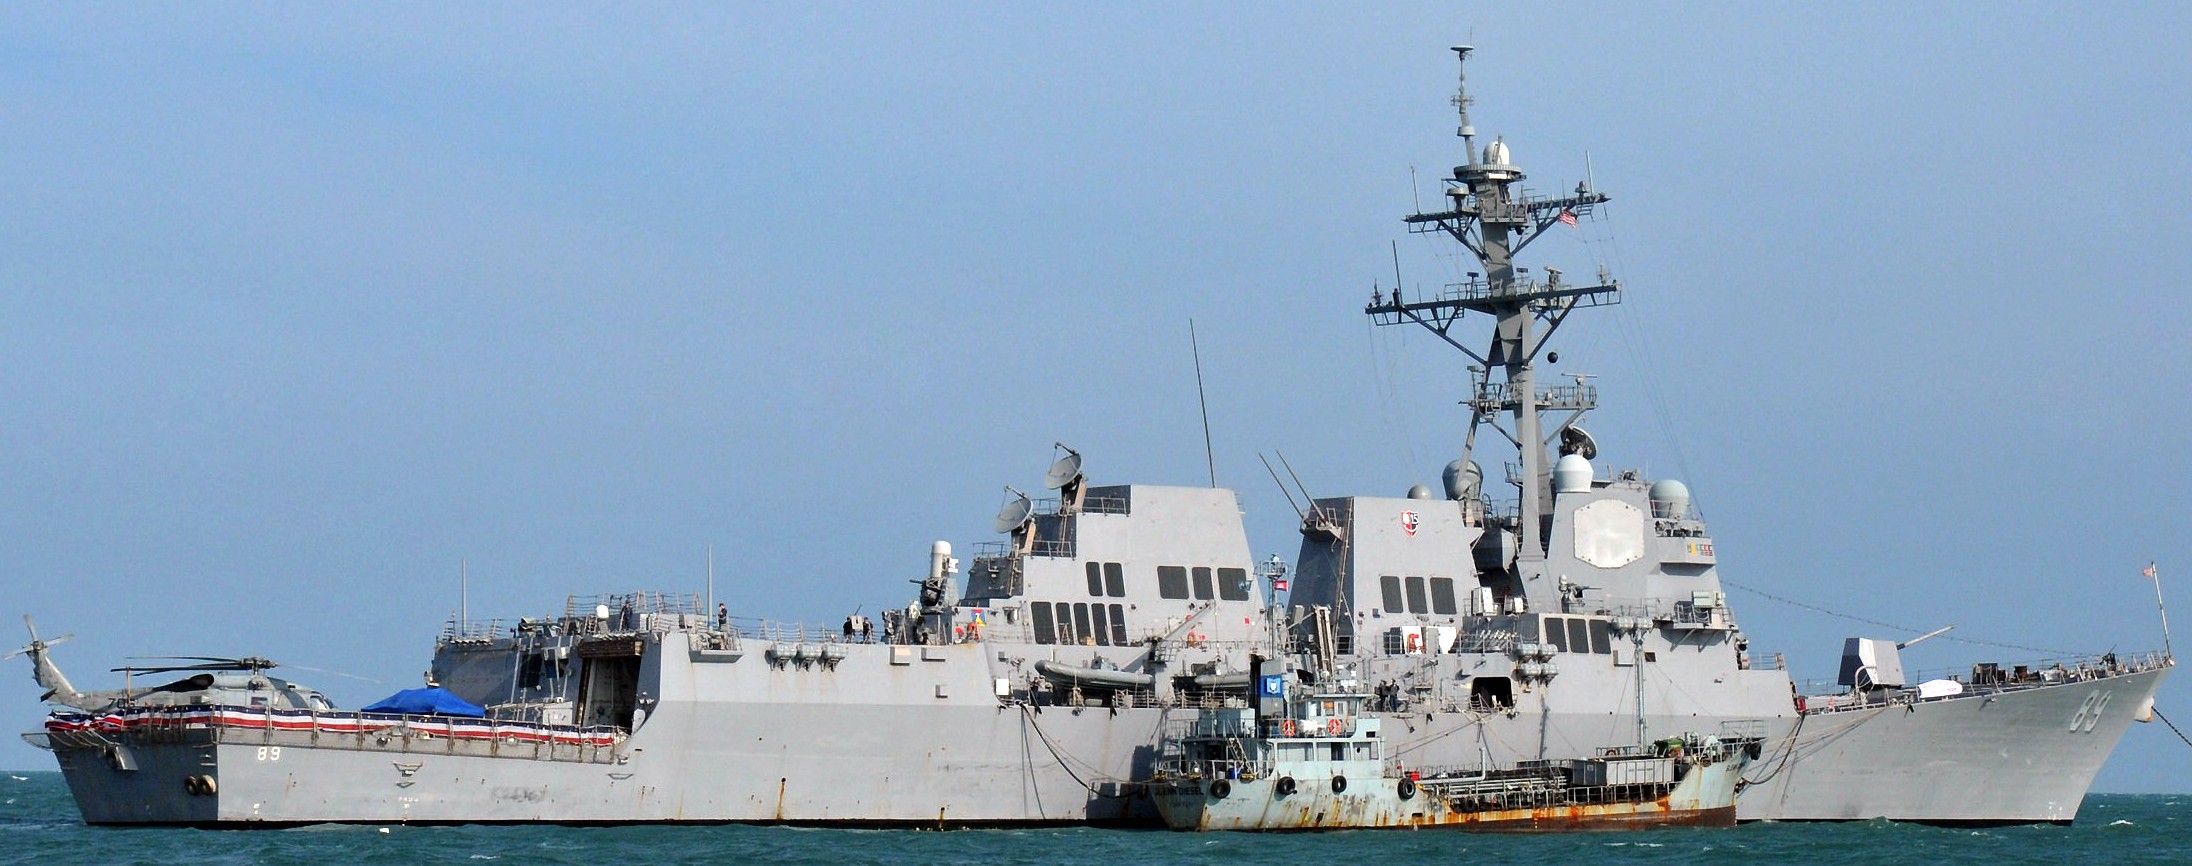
(1390, 584)
(1080, 622)
(1095, 579)
(1171, 581)
(1118, 625)
(1114, 580)
(1102, 631)
(1556, 633)
(1416, 601)
(1233, 584)
(1579, 636)
(1203, 590)
(1442, 595)
(1601, 637)
(1043, 634)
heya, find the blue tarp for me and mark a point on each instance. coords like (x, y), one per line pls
(426, 702)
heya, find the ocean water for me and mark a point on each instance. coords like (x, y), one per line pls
(39, 824)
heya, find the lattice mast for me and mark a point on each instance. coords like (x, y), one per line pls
(1494, 218)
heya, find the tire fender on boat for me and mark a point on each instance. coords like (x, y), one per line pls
(1284, 786)
(1339, 784)
(1220, 788)
(1407, 788)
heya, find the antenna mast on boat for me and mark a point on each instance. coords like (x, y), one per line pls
(1494, 218)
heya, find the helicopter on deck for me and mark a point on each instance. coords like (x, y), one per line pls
(212, 681)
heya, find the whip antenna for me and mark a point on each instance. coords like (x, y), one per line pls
(1210, 457)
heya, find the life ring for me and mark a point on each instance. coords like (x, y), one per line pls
(1220, 788)
(1407, 788)
(1334, 727)
(1284, 786)
(1339, 784)
(1287, 728)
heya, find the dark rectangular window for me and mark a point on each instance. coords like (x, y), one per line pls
(1555, 634)
(1114, 580)
(1203, 589)
(1102, 631)
(529, 672)
(1601, 637)
(1042, 622)
(1095, 578)
(1118, 625)
(1171, 581)
(1391, 586)
(1081, 631)
(1233, 584)
(1416, 602)
(1579, 635)
(1442, 595)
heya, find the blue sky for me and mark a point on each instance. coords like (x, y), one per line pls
(299, 308)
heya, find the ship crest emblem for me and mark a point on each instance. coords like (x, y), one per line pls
(1409, 520)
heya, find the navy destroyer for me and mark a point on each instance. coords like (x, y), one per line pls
(1037, 684)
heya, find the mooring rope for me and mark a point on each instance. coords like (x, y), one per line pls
(2172, 726)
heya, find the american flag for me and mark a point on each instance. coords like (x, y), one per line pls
(2148, 571)
(1567, 216)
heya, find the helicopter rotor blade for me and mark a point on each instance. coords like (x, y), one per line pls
(190, 658)
(336, 673)
(36, 644)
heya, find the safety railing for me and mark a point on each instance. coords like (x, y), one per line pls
(1819, 696)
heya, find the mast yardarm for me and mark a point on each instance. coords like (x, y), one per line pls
(1494, 219)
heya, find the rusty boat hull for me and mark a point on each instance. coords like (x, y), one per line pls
(1705, 796)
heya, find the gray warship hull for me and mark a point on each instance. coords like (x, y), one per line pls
(904, 752)
(872, 743)
(2025, 756)
(2020, 757)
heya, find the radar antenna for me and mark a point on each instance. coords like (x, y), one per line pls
(1016, 512)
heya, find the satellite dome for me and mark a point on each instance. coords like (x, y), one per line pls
(1496, 152)
(1463, 478)
(1572, 475)
(1419, 492)
(1670, 498)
